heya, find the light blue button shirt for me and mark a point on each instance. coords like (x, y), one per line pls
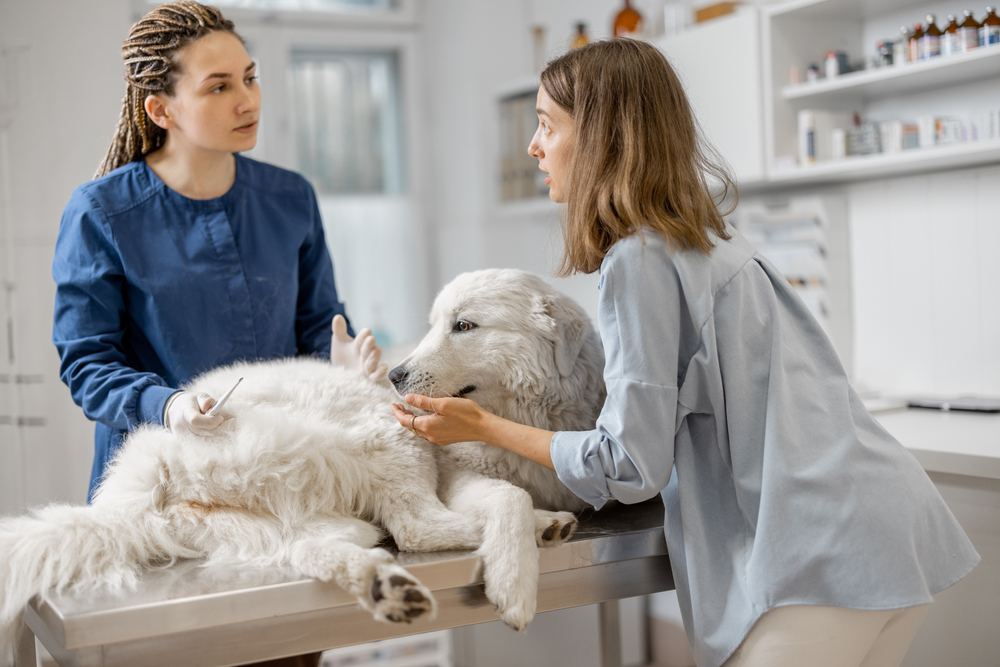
(726, 397)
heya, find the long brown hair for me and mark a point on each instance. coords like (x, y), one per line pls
(638, 160)
(151, 67)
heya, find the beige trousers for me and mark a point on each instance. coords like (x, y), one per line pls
(807, 636)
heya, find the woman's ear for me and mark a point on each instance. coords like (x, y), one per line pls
(158, 112)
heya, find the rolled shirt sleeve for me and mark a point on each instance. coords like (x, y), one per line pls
(629, 456)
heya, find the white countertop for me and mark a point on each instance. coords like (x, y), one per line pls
(963, 443)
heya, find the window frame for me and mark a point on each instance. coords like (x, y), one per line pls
(274, 45)
(402, 15)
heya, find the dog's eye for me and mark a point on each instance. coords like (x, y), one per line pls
(462, 325)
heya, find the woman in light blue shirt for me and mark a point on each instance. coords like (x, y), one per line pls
(799, 531)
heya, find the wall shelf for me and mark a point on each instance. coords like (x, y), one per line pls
(866, 167)
(841, 9)
(981, 63)
(964, 85)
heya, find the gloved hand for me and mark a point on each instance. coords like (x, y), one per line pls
(360, 354)
(185, 411)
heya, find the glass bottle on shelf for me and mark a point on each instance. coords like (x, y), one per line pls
(930, 41)
(901, 49)
(914, 42)
(538, 49)
(628, 22)
(949, 38)
(580, 38)
(989, 30)
(968, 32)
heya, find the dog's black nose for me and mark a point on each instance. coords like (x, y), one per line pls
(398, 376)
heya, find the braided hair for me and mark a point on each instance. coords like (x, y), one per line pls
(151, 68)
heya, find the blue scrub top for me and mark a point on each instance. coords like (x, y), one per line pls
(726, 398)
(154, 288)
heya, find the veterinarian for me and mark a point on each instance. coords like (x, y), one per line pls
(181, 255)
(799, 531)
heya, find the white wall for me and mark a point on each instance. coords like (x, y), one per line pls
(473, 52)
(926, 282)
(70, 93)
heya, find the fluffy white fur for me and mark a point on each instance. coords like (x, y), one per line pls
(531, 356)
(311, 469)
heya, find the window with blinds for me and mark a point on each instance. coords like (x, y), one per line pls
(347, 112)
(306, 5)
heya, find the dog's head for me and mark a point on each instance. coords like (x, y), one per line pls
(499, 335)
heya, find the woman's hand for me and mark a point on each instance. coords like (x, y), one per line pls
(453, 419)
(462, 420)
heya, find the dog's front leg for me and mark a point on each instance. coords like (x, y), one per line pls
(510, 557)
(339, 550)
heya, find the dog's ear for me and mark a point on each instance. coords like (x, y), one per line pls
(568, 327)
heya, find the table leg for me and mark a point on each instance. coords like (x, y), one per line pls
(611, 634)
(24, 654)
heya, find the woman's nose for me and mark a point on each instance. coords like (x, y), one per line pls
(533, 149)
(249, 102)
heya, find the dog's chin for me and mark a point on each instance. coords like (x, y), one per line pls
(461, 393)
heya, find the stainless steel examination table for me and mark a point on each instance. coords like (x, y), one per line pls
(198, 616)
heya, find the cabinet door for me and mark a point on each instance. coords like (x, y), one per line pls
(719, 63)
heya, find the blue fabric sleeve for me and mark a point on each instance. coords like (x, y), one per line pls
(89, 327)
(629, 456)
(318, 301)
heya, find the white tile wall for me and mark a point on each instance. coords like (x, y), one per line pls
(55, 141)
(926, 283)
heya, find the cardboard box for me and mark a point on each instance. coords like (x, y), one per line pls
(715, 11)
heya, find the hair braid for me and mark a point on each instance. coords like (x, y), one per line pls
(151, 67)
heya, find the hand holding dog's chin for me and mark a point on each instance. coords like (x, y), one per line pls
(452, 419)
(462, 420)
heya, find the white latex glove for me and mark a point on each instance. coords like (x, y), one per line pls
(185, 411)
(359, 354)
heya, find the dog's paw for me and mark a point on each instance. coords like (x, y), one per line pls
(516, 605)
(553, 528)
(398, 597)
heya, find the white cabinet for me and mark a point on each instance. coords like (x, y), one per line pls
(964, 87)
(719, 62)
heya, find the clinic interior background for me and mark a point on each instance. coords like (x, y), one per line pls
(912, 258)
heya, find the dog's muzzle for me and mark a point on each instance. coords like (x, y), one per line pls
(398, 376)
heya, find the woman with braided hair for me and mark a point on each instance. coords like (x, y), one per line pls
(182, 255)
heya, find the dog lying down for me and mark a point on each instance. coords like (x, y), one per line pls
(312, 469)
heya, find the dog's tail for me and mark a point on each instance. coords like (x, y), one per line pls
(63, 547)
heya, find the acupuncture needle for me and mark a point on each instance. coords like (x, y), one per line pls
(222, 401)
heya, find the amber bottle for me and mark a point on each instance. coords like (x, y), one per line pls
(949, 38)
(628, 23)
(989, 29)
(914, 43)
(930, 41)
(580, 38)
(968, 32)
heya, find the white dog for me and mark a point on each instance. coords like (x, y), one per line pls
(307, 472)
(523, 351)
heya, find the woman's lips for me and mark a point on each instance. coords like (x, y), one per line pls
(248, 128)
